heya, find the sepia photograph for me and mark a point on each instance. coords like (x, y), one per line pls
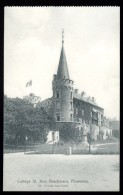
(61, 98)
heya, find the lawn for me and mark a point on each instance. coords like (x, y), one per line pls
(77, 148)
(58, 172)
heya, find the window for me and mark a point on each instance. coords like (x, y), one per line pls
(58, 116)
(57, 95)
(57, 105)
(71, 105)
(91, 114)
(71, 117)
(53, 136)
(82, 112)
(76, 110)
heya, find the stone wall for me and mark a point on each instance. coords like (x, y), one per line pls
(65, 88)
(65, 104)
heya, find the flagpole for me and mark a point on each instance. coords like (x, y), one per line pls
(31, 87)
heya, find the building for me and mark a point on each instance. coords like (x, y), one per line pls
(32, 99)
(67, 105)
(53, 137)
(115, 125)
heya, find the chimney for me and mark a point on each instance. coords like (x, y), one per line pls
(82, 94)
(93, 99)
(89, 97)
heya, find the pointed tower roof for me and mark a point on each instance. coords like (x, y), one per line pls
(62, 72)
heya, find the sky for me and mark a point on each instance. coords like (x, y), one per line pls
(32, 45)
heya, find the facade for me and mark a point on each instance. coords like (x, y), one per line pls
(32, 99)
(67, 105)
(115, 125)
(47, 105)
(62, 92)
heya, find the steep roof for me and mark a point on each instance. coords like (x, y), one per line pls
(62, 72)
(85, 99)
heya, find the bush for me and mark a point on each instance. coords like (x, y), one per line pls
(68, 132)
(116, 133)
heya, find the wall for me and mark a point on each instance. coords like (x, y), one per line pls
(50, 137)
(47, 105)
(94, 131)
(64, 87)
(81, 105)
(32, 99)
(65, 104)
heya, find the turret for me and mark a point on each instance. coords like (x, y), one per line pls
(62, 91)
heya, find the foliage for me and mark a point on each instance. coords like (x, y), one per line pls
(69, 132)
(116, 133)
(21, 119)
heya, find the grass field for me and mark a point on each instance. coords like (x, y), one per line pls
(97, 148)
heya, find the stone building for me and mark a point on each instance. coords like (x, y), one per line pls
(67, 105)
(32, 99)
(115, 125)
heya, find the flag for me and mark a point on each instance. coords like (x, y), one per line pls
(29, 83)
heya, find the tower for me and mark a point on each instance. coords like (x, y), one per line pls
(62, 90)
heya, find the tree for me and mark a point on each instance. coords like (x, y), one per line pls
(21, 119)
(69, 132)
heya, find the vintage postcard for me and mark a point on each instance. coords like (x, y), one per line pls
(61, 98)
